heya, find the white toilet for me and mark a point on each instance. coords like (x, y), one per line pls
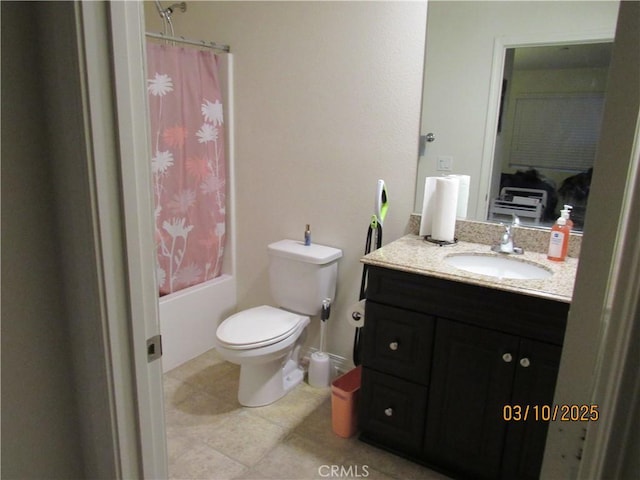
(266, 341)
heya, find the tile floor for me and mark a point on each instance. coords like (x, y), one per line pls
(210, 436)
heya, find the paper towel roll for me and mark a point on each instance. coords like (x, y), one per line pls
(445, 209)
(426, 223)
(356, 314)
(463, 194)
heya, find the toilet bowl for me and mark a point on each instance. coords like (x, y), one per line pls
(266, 342)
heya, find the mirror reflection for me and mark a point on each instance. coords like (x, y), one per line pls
(513, 94)
(549, 123)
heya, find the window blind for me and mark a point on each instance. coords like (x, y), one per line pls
(556, 131)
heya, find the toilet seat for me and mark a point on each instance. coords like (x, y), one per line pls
(257, 327)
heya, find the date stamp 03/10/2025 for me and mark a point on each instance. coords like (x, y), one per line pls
(551, 413)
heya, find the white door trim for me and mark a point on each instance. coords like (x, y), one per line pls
(128, 58)
(112, 60)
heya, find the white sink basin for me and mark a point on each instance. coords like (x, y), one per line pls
(498, 266)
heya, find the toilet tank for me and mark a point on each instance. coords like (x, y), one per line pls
(301, 276)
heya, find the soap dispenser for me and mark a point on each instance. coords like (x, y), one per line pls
(559, 240)
(307, 235)
(566, 213)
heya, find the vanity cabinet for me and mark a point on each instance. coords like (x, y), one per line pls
(441, 359)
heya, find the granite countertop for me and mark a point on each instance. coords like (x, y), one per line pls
(412, 253)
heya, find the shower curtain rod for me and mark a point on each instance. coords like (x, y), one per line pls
(198, 43)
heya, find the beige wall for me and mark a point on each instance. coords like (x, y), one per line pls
(459, 56)
(327, 101)
(40, 423)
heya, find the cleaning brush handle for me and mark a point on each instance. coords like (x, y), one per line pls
(326, 309)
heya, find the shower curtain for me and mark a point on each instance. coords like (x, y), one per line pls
(188, 164)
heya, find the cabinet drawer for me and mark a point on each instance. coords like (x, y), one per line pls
(514, 313)
(398, 342)
(392, 411)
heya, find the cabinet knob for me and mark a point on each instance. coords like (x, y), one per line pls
(507, 357)
(525, 362)
(388, 412)
(393, 346)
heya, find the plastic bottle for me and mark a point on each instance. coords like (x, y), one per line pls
(307, 235)
(559, 240)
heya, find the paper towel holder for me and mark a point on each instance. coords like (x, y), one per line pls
(440, 243)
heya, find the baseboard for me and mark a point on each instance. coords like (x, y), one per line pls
(339, 365)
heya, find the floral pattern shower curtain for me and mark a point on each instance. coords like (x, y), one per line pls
(188, 164)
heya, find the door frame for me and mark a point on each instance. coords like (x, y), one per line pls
(128, 57)
(111, 59)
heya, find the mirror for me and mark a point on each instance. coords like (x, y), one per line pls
(489, 103)
(549, 120)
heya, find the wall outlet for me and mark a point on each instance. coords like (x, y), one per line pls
(444, 163)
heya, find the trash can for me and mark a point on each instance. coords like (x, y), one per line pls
(344, 403)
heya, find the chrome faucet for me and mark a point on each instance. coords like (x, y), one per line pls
(506, 244)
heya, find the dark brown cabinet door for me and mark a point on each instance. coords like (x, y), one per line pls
(472, 379)
(534, 385)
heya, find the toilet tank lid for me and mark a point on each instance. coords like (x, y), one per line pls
(314, 253)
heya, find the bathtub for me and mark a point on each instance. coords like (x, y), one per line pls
(189, 318)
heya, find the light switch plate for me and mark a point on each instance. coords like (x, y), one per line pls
(444, 163)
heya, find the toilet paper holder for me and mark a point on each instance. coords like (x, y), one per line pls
(357, 316)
